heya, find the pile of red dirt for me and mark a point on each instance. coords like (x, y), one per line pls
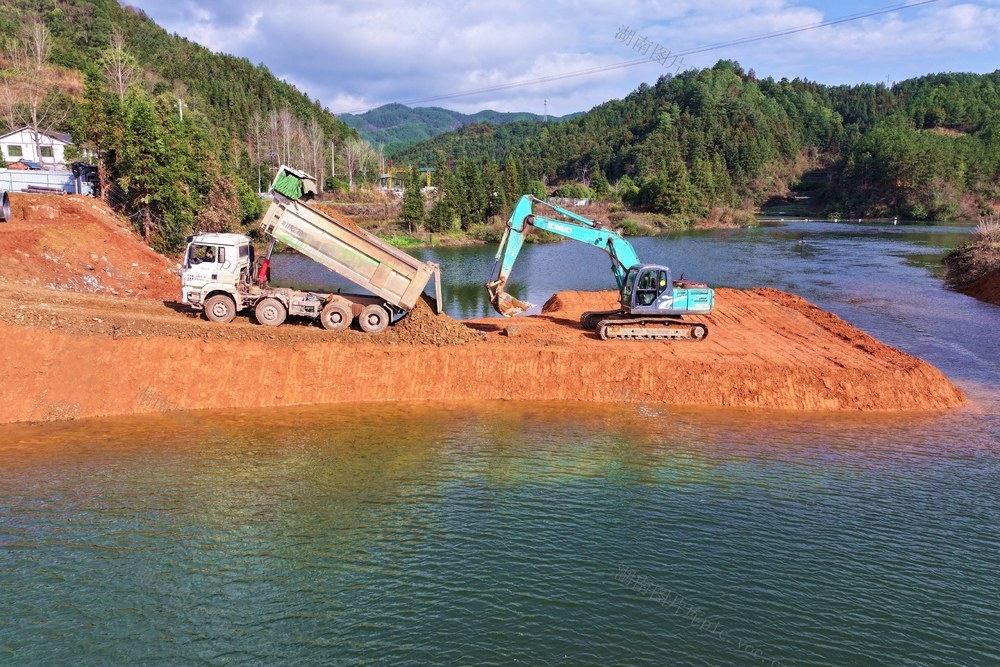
(422, 326)
(986, 288)
(99, 315)
(91, 354)
(76, 243)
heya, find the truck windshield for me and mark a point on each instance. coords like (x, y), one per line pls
(199, 253)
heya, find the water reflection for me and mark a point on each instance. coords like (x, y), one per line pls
(411, 533)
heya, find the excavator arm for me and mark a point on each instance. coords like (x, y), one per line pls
(578, 228)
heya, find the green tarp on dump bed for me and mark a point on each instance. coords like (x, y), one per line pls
(294, 184)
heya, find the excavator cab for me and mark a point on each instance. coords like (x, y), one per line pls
(647, 289)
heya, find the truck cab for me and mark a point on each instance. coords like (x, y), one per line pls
(649, 289)
(216, 263)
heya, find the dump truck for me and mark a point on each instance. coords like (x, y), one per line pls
(222, 277)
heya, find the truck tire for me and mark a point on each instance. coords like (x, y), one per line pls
(336, 316)
(220, 308)
(373, 319)
(270, 312)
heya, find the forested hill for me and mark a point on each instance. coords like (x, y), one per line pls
(183, 136)
(396, 126)
(924, 148)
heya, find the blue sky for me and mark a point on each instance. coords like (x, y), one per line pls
(357, 55)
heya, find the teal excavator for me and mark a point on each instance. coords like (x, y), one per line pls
(652, 303)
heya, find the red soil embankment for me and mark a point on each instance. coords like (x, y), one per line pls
(986, 288)
(71, 355)
(78, 244)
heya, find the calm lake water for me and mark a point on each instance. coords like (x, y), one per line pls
(537, 534)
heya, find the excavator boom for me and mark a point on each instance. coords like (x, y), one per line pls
(577, 227)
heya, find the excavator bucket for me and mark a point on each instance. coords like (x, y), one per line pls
(504, 303)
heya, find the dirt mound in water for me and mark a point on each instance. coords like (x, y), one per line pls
(974, 269)
(77, 355)
(77, 243)
(986, 288)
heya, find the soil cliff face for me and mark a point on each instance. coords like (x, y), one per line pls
(974, 269)
(986, 288)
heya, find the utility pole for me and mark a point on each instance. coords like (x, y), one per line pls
(333, 158)
(545, 116)
(180, 106)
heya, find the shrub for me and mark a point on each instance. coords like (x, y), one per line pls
(989, 228)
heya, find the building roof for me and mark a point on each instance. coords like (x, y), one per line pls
(61, 137)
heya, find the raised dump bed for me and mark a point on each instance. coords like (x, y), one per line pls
(222, 277)
(346, 249)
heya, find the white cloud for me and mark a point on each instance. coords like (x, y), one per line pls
(353, 56)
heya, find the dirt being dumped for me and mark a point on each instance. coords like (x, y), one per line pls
(76, 243)
(422, 326)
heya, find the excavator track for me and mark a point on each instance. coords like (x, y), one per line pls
(644, 328)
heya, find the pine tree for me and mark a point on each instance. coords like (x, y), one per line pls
(599, 184)
(703, 185)
(496, 198)
(511, 180)
(442, 213)
(474, 203)
(413, 202)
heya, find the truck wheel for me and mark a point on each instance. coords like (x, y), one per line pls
(270, 312)
(336, 316)
(220, 308)
(373, 319)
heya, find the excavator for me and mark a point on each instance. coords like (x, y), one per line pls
(652, 304)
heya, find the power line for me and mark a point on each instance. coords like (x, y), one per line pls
(681, 54)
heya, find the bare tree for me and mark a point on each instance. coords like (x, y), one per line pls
(316, 140)
(369, 159)
(357, 153)
(120, 68)
(27, 88)
(257, 138)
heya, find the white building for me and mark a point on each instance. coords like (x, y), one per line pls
(20, 145)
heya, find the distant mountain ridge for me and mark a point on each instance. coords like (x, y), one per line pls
(396, 126)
